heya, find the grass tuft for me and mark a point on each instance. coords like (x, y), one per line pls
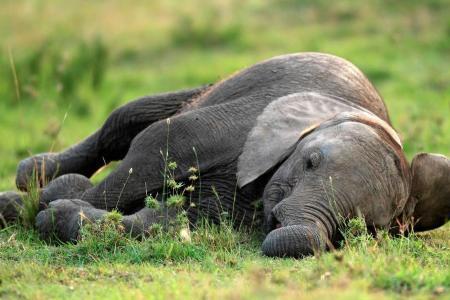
(30, 202)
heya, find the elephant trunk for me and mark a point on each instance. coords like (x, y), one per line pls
(303, 225)
(294, 241)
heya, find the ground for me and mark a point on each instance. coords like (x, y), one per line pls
(66, 65)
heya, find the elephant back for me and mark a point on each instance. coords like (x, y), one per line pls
(295, 73)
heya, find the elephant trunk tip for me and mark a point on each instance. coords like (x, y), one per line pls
(296, 241)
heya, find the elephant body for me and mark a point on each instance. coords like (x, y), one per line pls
(267, 132)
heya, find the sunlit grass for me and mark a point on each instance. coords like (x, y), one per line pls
(222, 258)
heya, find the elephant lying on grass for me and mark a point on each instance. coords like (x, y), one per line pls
(307, 133)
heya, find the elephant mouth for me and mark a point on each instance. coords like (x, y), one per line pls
(273, 223)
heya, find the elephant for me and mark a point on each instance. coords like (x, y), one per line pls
(306, 134)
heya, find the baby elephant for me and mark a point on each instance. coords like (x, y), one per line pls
(307, 133)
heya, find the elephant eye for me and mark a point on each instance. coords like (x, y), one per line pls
(313, 161)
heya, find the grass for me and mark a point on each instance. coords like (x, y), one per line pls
(65, 66)
(218, 263)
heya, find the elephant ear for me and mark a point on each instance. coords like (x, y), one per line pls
(431, 190)
(278, 129)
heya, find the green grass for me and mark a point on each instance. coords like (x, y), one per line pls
(66, 65)
(218, 262)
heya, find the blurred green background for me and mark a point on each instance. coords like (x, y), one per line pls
(65, 65)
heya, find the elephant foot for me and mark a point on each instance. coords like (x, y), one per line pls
(69, 186)
(37, 171)
(63, 219)
(10, 206)
(139, 223)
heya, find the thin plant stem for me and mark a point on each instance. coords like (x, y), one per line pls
(166, 158)
(59, 129)
(14, 72)
(124, 185)
(199, 175)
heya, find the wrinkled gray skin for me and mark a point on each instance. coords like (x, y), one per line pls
(306, 133)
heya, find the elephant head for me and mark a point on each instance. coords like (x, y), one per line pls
(346, 165)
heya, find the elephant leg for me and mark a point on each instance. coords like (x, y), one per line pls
(205, 138)
(10, 205)
(109, 143)
(63, 219)
(141, 171)
(69, 186)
